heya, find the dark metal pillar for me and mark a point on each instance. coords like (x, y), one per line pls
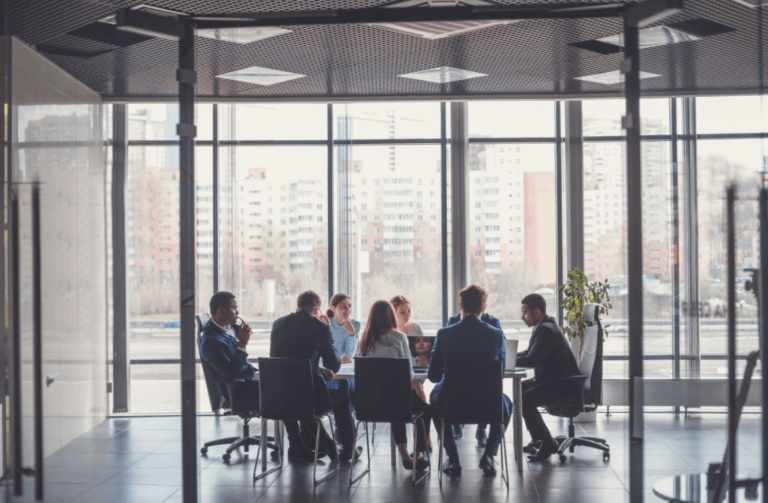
(3, 283)
(631, 69)
(459, 201)
(216, 197)
(121, 369)
(763, 324)
(692, 348)
(574, 185)
(675, 199)
(444, 209)
(559, 212)
(37, 344)
(733, 412)
(329, 185)
(187, 132)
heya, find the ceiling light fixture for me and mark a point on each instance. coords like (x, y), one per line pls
(149, 10)
(443, 75)
(614, 77)
(261, 76)
(434, 30)
(242, 35)
(653, 37)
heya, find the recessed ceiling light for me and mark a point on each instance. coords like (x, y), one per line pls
(752, 3)
(148, 9)
(433, 30)
(443, 75)
(242, 35)
(260, 76)
(614, 77)
(653, 37)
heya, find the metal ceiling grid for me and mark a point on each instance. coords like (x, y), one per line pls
(529, 57)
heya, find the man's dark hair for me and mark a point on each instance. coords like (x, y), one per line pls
(473, 298)
(308, 300)
(535, 301)
(220, 299)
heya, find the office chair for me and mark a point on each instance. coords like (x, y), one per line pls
(466, 401)
(287, 393)
(383, 395)
(222, 406)
(589, 389)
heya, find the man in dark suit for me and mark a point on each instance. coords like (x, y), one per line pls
(551, 356)
(480, 435)
(470, 339)
(303, 335)
(225, 354)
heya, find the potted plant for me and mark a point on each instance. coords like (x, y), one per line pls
(578, 291)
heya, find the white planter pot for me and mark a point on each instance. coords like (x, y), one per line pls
(586, 417)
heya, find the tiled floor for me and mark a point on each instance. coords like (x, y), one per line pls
(138, 461)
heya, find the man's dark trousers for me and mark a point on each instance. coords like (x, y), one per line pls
(539, 395)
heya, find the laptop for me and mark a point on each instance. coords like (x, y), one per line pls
(511, 346)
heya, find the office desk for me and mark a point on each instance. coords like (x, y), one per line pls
(347, 371)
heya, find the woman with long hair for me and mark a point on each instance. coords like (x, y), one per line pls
(382, 339)
(419, 344)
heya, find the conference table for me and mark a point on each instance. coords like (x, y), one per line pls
(347, 371)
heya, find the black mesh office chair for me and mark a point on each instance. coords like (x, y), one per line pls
(473, 394)
(287, 393)
(223, 406)
(588, 386)
(383, 395)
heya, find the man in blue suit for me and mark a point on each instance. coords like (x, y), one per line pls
(470, 339)
(480, 434)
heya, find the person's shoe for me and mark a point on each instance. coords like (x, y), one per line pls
(452, 467)
(457, 431)
(422, 464)
(345, 456)
(532, 446)
(300, 454)
(542, 453)
(488, 465)
(481, 437)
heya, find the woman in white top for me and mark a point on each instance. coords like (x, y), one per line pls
(420, 346)
(382, 339)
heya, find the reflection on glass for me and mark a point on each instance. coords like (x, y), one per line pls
(152, 196)
(732, 114)
(356, 121)
(389, 234)
(157, 121)
(510, 119)
(273, 121)
(512, 227)
(721, 162)
(277, 246)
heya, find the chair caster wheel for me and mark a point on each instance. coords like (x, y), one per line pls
(562, 457)
(226, 456)
(606, 456)
(204, 451)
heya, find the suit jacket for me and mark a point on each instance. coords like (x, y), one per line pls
(549, 353)
(487, 318)
(469, 339)
(301, 335)
(228, 362)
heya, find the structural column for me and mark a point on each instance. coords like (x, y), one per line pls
(121, 368)
(692, 352)
(445, 287)
(574, 186)
(631, 69)
(559, 211)
(187, 132)
(459, 201)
